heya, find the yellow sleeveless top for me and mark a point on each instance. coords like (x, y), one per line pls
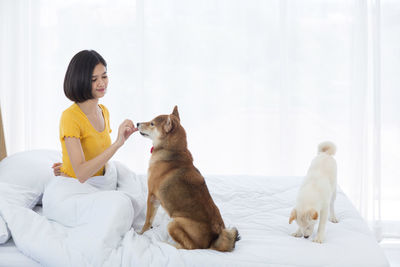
(74, 123)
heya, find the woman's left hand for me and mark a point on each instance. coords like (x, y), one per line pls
(125, 130)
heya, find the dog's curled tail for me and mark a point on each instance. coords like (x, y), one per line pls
(226, 240)
(327, 147)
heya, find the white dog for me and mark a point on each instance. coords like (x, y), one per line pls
(317, 194)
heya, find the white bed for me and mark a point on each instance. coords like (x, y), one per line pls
(259, 207)
(10, 256)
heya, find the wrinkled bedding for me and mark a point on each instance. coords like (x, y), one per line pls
(100, 227)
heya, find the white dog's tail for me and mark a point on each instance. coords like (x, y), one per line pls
(327, 147)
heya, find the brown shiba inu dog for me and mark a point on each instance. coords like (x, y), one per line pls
(176, 184)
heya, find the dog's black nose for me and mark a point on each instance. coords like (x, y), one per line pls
(306, 236)
(138, 124)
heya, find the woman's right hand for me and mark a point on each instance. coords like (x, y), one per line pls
(124, 131)
(57, 168)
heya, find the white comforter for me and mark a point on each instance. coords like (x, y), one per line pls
(97, 230)
(258, 206)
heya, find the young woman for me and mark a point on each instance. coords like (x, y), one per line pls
(85, 125)
(81, 192)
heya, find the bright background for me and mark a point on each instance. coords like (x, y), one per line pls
(258, 83)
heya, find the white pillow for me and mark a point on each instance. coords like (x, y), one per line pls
(23, 177)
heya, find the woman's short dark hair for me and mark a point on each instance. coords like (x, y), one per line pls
(78, 78)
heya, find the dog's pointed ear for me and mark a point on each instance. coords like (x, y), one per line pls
(176, 113)
(313, 214)
(293, 216)
(169, 125)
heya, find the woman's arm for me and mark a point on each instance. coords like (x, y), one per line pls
(86, 169)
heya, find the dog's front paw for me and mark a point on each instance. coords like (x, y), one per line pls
(333, 219)
(318, 239)
(145, 228)
(297, 234)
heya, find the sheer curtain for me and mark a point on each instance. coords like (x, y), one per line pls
(258, 83)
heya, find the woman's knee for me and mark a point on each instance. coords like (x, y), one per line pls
(120, 202)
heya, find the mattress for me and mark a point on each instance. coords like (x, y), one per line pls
(259, 207)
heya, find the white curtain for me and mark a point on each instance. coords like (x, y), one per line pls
(258, 83)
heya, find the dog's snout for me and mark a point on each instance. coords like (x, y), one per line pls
(306, 236)
(138, 124)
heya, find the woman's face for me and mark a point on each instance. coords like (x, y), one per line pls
(99, 81)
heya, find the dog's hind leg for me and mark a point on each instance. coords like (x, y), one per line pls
(180, 236)
(332, 216)
(189, 234)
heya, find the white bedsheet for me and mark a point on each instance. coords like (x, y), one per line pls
(258, 206)
(10, 256)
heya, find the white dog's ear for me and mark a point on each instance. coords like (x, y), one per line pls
(293, 216)
(313, 214)
(168, 124)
